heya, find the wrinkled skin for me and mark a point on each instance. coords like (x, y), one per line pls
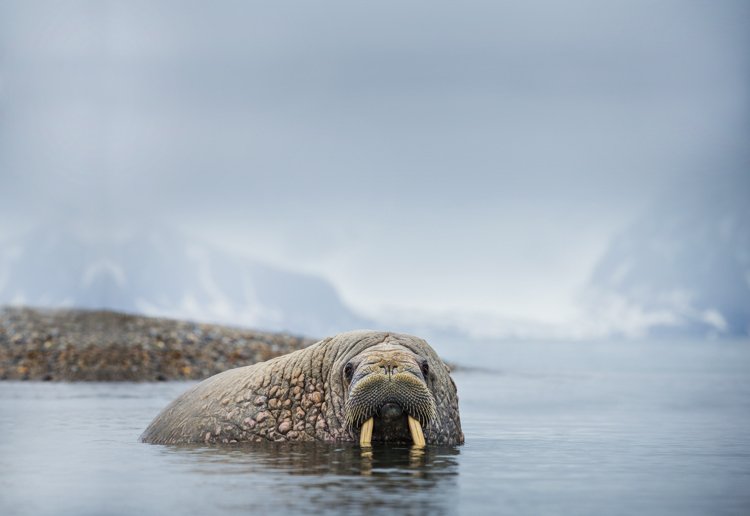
(321, 393)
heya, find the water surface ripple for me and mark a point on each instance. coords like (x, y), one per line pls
(550, 429)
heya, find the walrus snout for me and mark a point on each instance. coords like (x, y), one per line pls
(388, 394)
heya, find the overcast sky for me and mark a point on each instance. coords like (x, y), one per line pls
(424, 155)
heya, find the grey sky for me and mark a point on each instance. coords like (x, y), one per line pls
(476, 156)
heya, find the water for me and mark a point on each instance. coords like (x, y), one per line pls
(551, 428)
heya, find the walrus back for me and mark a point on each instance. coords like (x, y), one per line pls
(199, 410)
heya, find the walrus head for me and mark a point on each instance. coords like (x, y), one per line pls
(388, 395)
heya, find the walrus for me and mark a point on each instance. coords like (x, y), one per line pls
(361, 386)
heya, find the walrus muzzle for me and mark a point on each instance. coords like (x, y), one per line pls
(389, 397)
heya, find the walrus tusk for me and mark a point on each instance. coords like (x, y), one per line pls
(416, 432)
(365, 433)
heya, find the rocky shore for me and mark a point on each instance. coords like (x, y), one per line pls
(79, 345)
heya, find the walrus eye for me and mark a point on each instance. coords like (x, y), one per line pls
(348, 371)
(425, 369)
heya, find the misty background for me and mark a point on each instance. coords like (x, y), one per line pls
(536, 169)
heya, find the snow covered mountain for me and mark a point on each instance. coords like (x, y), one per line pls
(682, 268)
(161, 272)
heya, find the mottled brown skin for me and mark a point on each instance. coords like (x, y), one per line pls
(321, 393)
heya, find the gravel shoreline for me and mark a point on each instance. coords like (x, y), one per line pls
(80, 345)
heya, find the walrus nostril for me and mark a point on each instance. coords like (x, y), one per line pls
(390, 411)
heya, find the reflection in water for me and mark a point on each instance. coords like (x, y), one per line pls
(336, 476)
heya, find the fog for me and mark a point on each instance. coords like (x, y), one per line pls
(436, 161)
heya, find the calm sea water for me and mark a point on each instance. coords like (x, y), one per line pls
(646, 428)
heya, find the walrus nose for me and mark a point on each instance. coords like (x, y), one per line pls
(390, 411)
(389, 369)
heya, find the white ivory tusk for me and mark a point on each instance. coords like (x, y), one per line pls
(416, 432)
(365, 433)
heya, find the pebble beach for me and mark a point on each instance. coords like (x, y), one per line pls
(81, 345)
